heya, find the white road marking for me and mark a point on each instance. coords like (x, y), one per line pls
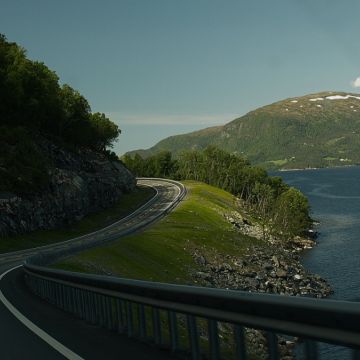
(19, 254)
(32, 251)
(63, 350)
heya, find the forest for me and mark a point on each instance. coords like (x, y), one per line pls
(35, 105)
(278, 208)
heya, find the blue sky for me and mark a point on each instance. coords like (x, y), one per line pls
(163, 67)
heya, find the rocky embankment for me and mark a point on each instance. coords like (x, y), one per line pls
(80, 183)
(262, 269)
(272, 268)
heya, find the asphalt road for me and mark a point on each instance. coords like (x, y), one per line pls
(33, 329)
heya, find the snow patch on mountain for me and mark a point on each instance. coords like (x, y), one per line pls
(336, 97)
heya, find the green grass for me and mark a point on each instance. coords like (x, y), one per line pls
(127, 204)
(163, 252)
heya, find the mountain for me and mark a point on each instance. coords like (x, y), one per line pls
(316, 130)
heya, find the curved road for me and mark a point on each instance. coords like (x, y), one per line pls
(33, 329)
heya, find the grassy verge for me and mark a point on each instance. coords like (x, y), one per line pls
(127, 204)
(164, 252)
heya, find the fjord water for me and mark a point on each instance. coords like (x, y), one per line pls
(334, 196)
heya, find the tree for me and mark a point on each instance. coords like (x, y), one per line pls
(105, 131)
(292, 213)
(76, 126)
(29, 91)
(263, 203)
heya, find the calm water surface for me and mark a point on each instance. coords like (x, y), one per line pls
(334, 196)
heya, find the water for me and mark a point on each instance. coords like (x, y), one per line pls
(334, 196)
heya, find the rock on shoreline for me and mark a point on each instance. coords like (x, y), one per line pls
(274, 268)
(263, 269)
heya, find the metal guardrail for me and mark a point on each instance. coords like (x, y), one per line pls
(186, 318)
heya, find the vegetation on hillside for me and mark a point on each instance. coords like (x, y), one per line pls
(277, 207)
(164, 251)
(316, 130)
(33, 104)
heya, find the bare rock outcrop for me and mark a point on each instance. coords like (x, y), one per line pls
(80, 183)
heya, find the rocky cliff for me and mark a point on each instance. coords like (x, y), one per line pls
(80, 182)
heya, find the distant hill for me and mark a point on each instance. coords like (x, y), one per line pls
(316, 130)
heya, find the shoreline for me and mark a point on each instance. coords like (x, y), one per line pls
(317, 168)
(269, 269)
(273, 268)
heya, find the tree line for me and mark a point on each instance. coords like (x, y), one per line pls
(277, 207)
(34, 104)
(32, 98)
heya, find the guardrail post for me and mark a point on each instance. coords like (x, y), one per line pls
(156, 326)
(102, 311)
(47, 297)
(92, 308)
(81, 304)
(173, 330)
(213, 339)
(142, 321)
(311, 349)
(72, 301)
(88, 307)
(129, 319)
(240, 347)
(50, 292)
(60, 296)
(109, 313)
(120, 316)
(85, 305)
(113, 312)
(193, 337)
(41, 289)
(66, 299)
(76, 301)
(272, 343)
(98, 309)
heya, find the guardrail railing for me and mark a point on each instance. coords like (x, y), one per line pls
(151, 311)
(197, 322)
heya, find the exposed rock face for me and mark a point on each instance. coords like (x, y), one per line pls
(80, 183)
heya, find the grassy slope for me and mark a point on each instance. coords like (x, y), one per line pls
(163, 252)
(127, 204)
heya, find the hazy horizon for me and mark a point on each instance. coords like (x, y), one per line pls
(163, 67)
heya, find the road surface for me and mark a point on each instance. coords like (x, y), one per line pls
(33, 329)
